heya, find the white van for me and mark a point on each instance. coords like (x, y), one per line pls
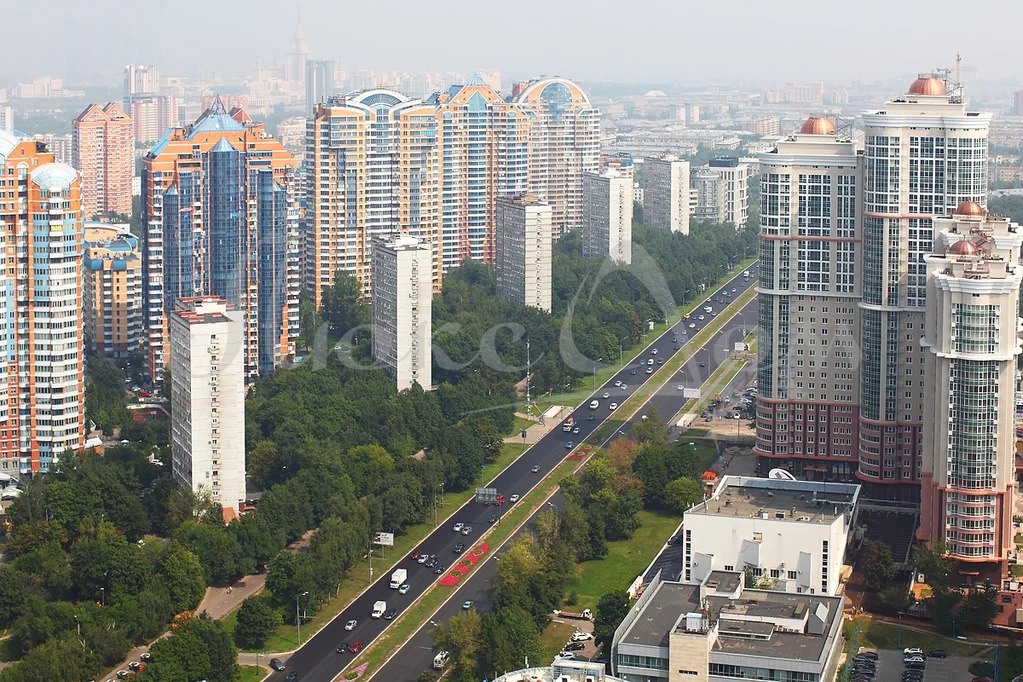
(708, 309)
(439, 660)
(594, 404)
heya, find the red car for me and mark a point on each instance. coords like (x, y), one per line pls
(145, 394)
(356, 647)
(415, 555)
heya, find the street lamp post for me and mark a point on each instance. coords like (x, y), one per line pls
(298, 617)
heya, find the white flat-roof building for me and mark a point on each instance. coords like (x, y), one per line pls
(207, 359)
(561, 671)
(666, 193)
(607, 216)
(523, 249)
(717, 630)
(735, 176)
(791, 533)
(402, 310)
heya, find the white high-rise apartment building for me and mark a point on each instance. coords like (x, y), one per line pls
(707, 195)
(402, 309)
(6, 119)
(607, 216)
(808, 298)
(523, 251)
(971, 348)
(207, 356)
(666, 193)
(735, 176)
(924, 155)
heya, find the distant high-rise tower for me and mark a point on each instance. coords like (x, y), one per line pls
(523, 248)
(219, 219)
(607, 216)
(140, 81)
(297, 56)
(319, 82)
(1017, 103)
(402, 310)
(103, 151)
(735, 176)
(207, 359)
(6, 119)
(924, 155)
(971, 349)
(41, 387)
(808, 297)
(112, 291)
(666, 193)
(151, 113)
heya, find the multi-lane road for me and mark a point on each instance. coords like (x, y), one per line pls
(318, 661)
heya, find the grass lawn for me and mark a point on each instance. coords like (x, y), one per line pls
(1017, 570)
(625, 560)
(252, 673)
(520, 424)
(886, 636)
(285, 638)
(1018, 538)
(554, 638)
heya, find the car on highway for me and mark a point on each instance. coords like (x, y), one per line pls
(660, 361)
(291, 677)
(613, 406)
(576, 429)
(650, 361)
(633, 372)
(608, 395)
(356, 647)
(423, 558)
(458, 527)
(681, 387)
(692, 325)
(277, 664)
(467, 604)
(404, 588)
(390, 614)
(653, 352)
(466, 530)
(677, 346)
(439, 569)
(568, 446)
(618, 382)
(513, 499)
(733, 291)
(342, 648)
(415, 555)
(649, 370)
(535, 469)
(459, 548)
(493, 518)
(701, 317)
(625, 387)
(350, 625)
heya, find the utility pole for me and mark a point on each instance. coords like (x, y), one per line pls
(527, 377)
(298, 616)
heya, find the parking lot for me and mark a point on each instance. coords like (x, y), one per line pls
(952, 669)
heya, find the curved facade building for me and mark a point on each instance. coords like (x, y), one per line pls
(807, 408)
(381, 163)
(41, 352)
(971, 348)
(924, 155)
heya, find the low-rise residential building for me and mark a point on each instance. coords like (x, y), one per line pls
(791, 534)
(718, 630)
(112, 290)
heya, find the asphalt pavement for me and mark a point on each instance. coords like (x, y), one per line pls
(317, 660)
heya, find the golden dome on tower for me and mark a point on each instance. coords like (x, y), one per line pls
(818, 125)
(969, 208)
(928, 85)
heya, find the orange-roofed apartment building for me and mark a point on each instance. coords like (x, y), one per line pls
(219, 219)
(380, 162)
(41, 387)
(103, 151)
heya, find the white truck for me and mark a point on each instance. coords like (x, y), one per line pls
(439, 660)
(398, 577)
(378, 609)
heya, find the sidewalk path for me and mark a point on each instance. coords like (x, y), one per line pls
(537, 431)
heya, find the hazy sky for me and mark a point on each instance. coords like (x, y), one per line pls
(684, 41)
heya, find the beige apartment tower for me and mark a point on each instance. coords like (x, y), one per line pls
(402, 310)
(607, 216)
(666, 193)
(971, 347)
(103, 151)
(523, 246)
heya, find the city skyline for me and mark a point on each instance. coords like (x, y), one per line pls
(103, 42)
